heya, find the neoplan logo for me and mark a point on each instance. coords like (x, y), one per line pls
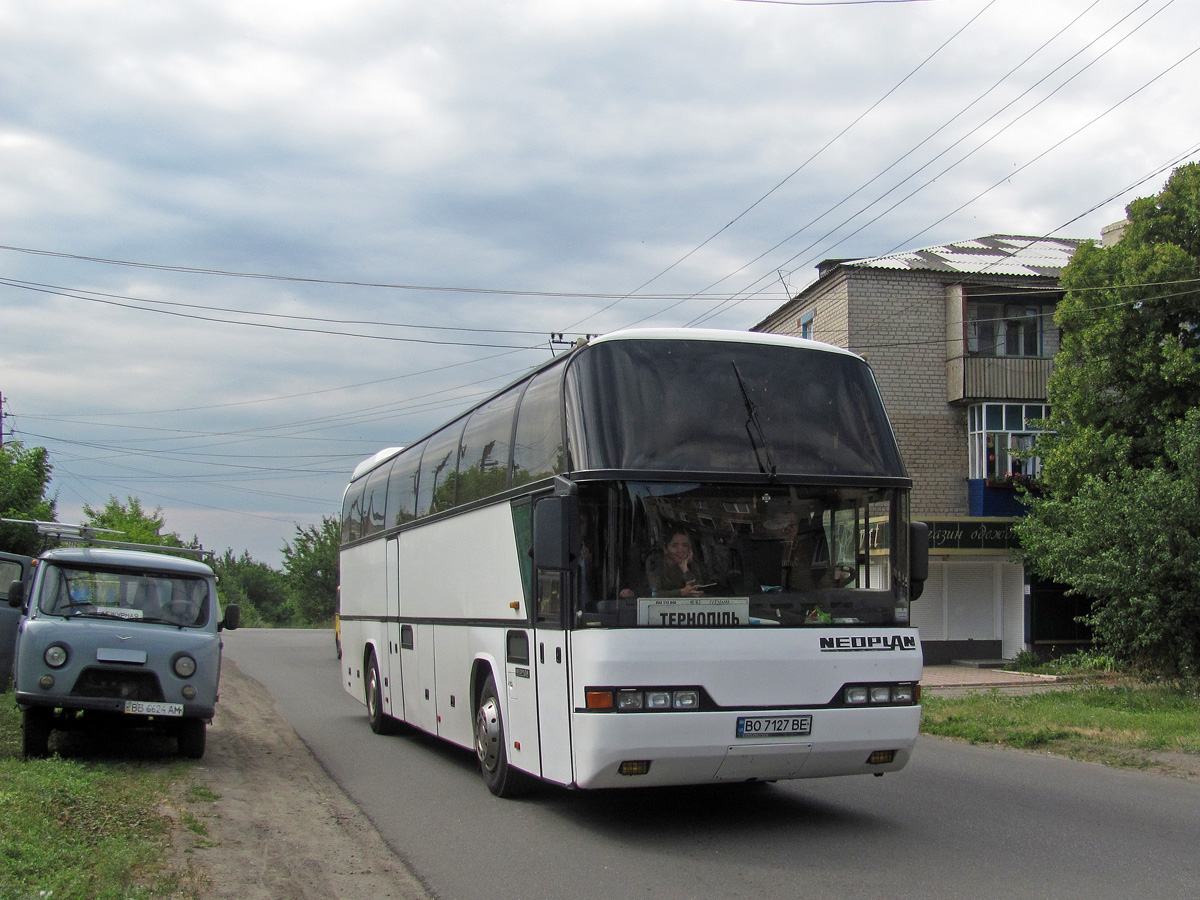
(868, 643)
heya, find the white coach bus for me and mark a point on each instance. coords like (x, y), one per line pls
(666, 557)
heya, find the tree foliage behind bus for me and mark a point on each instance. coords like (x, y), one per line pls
(1120, 522)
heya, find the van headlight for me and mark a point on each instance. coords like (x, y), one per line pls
(184, 665)
(56, 656)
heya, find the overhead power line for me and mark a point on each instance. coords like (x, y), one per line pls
(260, 276)
(833, 140)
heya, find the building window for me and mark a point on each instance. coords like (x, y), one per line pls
(1001, 438)
(806, 325)
(1006, 329)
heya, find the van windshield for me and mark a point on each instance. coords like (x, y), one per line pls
(134, 596)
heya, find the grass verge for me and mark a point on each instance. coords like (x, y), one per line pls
(79, 829)
(1126, 724)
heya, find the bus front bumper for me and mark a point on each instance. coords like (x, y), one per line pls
(621, 750)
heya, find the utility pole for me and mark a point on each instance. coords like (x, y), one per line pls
(1, 418)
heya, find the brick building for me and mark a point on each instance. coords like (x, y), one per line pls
(961, 339)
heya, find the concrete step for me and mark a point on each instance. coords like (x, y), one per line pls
(981, 663)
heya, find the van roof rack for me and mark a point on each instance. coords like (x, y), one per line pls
(86, 534)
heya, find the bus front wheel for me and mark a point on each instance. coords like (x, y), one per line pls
(501, 778)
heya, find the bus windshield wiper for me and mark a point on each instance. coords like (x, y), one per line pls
(754, 428)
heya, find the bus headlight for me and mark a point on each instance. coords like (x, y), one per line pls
(644, 699)
(686, 700)
(881, 693)
(184, 665)
(628, 699)
(905, 693)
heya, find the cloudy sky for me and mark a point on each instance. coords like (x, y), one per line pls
(247, 243)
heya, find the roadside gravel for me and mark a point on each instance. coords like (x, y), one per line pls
(279, 827)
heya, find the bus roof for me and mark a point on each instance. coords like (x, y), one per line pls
(717, 334)
(368, 464)
(635, 334)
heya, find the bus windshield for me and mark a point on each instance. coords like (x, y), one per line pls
(679, 555)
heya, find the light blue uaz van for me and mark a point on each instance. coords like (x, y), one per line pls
(118, 637)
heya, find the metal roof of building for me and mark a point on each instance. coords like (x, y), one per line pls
(996, 254)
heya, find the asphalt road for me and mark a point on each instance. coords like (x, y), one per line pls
(959, 822)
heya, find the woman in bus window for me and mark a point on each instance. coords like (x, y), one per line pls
(675, 572)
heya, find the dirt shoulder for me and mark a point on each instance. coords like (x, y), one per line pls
(279, 827)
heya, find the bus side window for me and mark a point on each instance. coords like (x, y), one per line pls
(439, 471)
(352, 511)
(402, 487)
(549, 602)
(483, 463)
(517, 647)
(522, 513)
(374, 501)
(538, 448)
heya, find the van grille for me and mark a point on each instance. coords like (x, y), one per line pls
(117, 685)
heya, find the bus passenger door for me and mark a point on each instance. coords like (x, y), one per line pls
(393, 671)
(551, 666)
(521, 726)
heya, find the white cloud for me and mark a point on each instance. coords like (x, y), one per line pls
(542, 146)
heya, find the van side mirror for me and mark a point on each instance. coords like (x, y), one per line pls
(918, 557)
(16, 594)
(233, 618)
(556, 535)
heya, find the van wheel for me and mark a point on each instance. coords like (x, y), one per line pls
(501, 778)
(193, 735)
(37, 723)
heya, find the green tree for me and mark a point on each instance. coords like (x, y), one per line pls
(310, 565)
(260, 590)
(1120, 519)
(24, 481)
(133, 522)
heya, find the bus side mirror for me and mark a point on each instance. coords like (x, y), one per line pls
(233, 617)
(556, 535)
(16, 594)
(918, 557)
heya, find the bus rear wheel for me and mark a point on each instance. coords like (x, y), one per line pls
(373, 688)
(501, 778)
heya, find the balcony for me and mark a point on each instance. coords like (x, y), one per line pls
(973, 378)
(988, 499)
